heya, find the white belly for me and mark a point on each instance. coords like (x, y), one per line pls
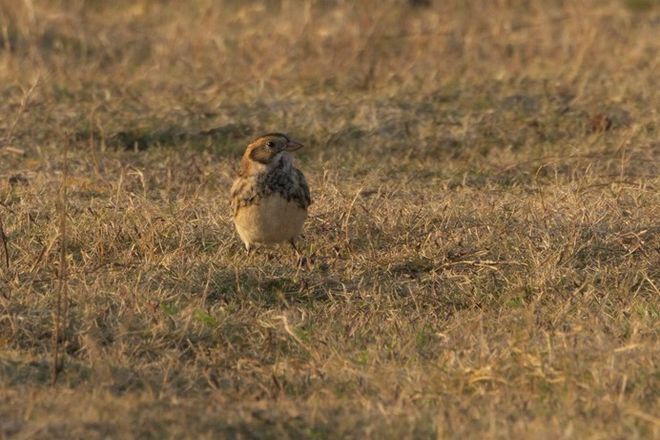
(273, 220)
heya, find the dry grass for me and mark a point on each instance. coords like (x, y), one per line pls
(484, 243)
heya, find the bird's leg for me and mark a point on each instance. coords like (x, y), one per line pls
(302, 261)
(293, 245)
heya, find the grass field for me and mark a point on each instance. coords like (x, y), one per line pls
(484, 243)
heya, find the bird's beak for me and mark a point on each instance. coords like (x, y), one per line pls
(293, 145)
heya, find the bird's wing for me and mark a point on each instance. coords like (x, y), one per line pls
(242, 193)
(304, 197)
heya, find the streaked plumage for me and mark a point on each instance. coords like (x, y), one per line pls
(270, 197)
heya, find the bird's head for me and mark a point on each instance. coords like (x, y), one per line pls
(268, 151)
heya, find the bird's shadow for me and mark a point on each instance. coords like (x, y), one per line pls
(278, 284)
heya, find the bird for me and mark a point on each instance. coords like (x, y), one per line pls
(270, 196)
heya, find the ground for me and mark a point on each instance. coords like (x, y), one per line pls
(483, 248)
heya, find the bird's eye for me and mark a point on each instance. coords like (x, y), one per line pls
(270, 144)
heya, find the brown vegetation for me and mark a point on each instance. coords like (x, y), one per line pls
(484, 243)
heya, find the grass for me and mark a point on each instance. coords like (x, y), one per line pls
(484, 241)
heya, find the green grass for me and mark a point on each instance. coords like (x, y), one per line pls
(484, 242)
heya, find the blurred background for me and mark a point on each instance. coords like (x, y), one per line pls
(146, 72)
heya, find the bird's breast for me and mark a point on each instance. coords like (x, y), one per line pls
(271, 219)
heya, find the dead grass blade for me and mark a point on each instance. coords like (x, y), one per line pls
(3, 238)
(62, 291)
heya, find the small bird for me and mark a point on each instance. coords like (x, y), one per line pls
(270, 197)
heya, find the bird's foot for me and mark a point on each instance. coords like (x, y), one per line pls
(302, 262)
